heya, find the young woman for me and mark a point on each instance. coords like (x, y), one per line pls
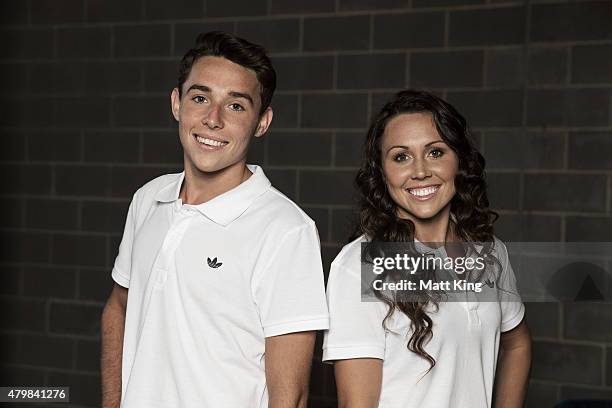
(422, 180)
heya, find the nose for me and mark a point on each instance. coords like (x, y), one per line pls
(213, 117)
(420, 170)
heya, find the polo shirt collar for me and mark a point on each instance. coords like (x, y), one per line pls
(228, 206)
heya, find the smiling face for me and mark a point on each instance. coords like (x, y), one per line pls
(218, 114)
(419, 167)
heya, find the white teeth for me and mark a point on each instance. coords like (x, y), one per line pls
(209, 142)
(421, 192)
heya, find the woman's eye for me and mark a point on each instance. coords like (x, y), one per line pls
(236, 107)
(435, 153)
(400, 157)
(198, 99)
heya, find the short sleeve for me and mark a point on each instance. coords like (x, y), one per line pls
(123, 262)
(355, 326)
(289, 292)
(512, 307)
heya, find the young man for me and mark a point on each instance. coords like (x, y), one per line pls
(219, 285)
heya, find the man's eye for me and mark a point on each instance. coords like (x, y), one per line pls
(198, 99)
(236, 107)
(436, 153)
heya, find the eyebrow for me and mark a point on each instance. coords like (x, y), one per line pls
(407, 148)
(235, 94)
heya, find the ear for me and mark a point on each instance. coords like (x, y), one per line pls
(175, 102)
(264, 122)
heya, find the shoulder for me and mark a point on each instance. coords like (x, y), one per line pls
(148, 193)
(348, 260)
(280, 212)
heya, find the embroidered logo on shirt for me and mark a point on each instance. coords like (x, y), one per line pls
(213, 262)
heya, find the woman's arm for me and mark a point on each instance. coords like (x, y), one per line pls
(358, 382)
(513, 367)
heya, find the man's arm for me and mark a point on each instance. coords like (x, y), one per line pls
(113, 324)
(513, 367)
(288, 362)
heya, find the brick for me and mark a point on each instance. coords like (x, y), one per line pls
(48, 12)
(11, 280)
(543, 319)
(84, 42)
(547, 65)
(96, 285)
(498, 26)
(565, 192)
(348, 147)
(31, 43)
(28, 247)
(343, 225)
(334, 110)
(355, 5)
(489, 108)
(609, 365)
(592, 64)
(588, 321)
(301, 6)
(12, 213)
(504, 67)
(84, 388)
(142, 40)
(321, 218)
(222, 8)
(541, 395)
(73, 249)
(527, 227)
(88, 355)
(162, 147)
(22, 314)
(569, 392)
(45, 282)
(441, 3)
(375, 71)
(299, 149)
(336, 33)
(54, 145)
(566, 362)
(285, 111)
(113, 10)
(25, 178)
(326, 186)
(378, 102)
(51, 214)
(22, 112)
(82, 180)
(163, 10)
(274, 36)
(83, 111)
(185, 34)
(446, 69)
(568, 107)
(284, 181)
(99, 216)
(256, 154)
(46, 351)
(142, 111)
(414, 30)
(296, 73)
(534, 150)
(74, 318)
(65, 77)
(14, 143)
(111, 146)
(112, 76)
(14, 78)
(10, 348)
(590, 150)
(23, 377)
(328, 253)
(567, 22)
(503, 190)
(160, 76)
(585, 229)
(14, 12)
(126, 180)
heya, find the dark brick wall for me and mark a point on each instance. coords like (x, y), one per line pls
(85, 120)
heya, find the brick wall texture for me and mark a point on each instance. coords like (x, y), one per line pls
(85, 120)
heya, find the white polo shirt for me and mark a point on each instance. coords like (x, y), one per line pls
(207, 284)
(465, 339)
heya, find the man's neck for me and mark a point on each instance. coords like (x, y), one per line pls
(200, 187)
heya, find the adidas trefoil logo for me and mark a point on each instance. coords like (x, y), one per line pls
(213, 262)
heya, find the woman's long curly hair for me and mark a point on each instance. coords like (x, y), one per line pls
(378, 213)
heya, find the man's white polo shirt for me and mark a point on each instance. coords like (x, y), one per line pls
(207, 284)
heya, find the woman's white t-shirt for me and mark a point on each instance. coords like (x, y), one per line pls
(465, 339)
